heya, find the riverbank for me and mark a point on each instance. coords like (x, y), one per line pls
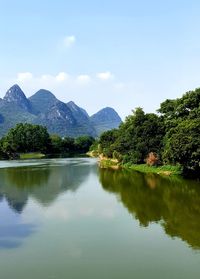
(161, 170)
(32, 155)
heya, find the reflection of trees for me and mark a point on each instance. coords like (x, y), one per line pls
(17, 183)
(27, 176)
(44, 183)
(152, 198)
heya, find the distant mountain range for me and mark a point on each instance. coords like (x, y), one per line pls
(64, 119)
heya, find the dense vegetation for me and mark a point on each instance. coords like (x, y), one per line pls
(26, 138)
(171, 137)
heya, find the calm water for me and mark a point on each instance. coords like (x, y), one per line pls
(65, 218)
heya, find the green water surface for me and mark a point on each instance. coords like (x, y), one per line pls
(65, 218)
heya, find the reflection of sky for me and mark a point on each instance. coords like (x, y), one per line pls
(12, 230)
(15, 227)
(85, 230)
(88, 202)
(52, 162)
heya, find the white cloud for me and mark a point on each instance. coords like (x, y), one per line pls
(46, 77)
(24, 76)
(62, 76)
(69, 41)
(84, 79)
(105, 75)
(93, 93)
(85, 89)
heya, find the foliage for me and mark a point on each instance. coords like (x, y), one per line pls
(56, 143)
(117, 156)
(105, 143)
(152, 159)
(83, 143)
(139, 135)
(183, 145)
(34, 139)
(172, 137)
(62, 145)
(182, 141)
(25, 138)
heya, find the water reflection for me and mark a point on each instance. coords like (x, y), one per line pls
(12, 236)
(173, 202)
(42, 182)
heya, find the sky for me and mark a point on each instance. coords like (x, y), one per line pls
(123, 54)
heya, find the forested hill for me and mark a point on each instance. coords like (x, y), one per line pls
(64, 119)
(170, 137)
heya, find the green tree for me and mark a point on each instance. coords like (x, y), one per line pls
(83, 143)
(139, 135)
(25, 138)
(56, 143)
(68, 145)
(182, 120)
(183, 146)
(107, 141)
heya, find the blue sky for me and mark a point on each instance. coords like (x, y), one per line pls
(122, 54)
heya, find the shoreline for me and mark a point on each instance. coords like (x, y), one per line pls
(108, 163)
(114, 164)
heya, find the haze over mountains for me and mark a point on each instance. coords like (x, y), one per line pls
(64, 119)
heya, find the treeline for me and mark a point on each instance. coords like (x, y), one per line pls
(170, 137)
(25, 138)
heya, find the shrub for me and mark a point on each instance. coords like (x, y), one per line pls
(152, 159)
(116, 155)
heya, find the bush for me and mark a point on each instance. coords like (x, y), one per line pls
(152, 159)
(116, 155)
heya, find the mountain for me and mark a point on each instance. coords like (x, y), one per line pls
(64, 119)
(16, 96)
(105, 119)
(42, 101)
(84, 125)
(14, 108)
(58, 117)
(79, 113)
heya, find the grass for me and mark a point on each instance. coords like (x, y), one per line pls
(165, 169)
(33, 155)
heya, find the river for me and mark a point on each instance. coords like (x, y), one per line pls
(66, 218)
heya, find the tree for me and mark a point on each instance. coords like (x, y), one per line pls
(25, 138)
(139, 135)
(83, 143)
(107, 141)
(56, 143)
(183, 146)
(182, 120)
(68, 145)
